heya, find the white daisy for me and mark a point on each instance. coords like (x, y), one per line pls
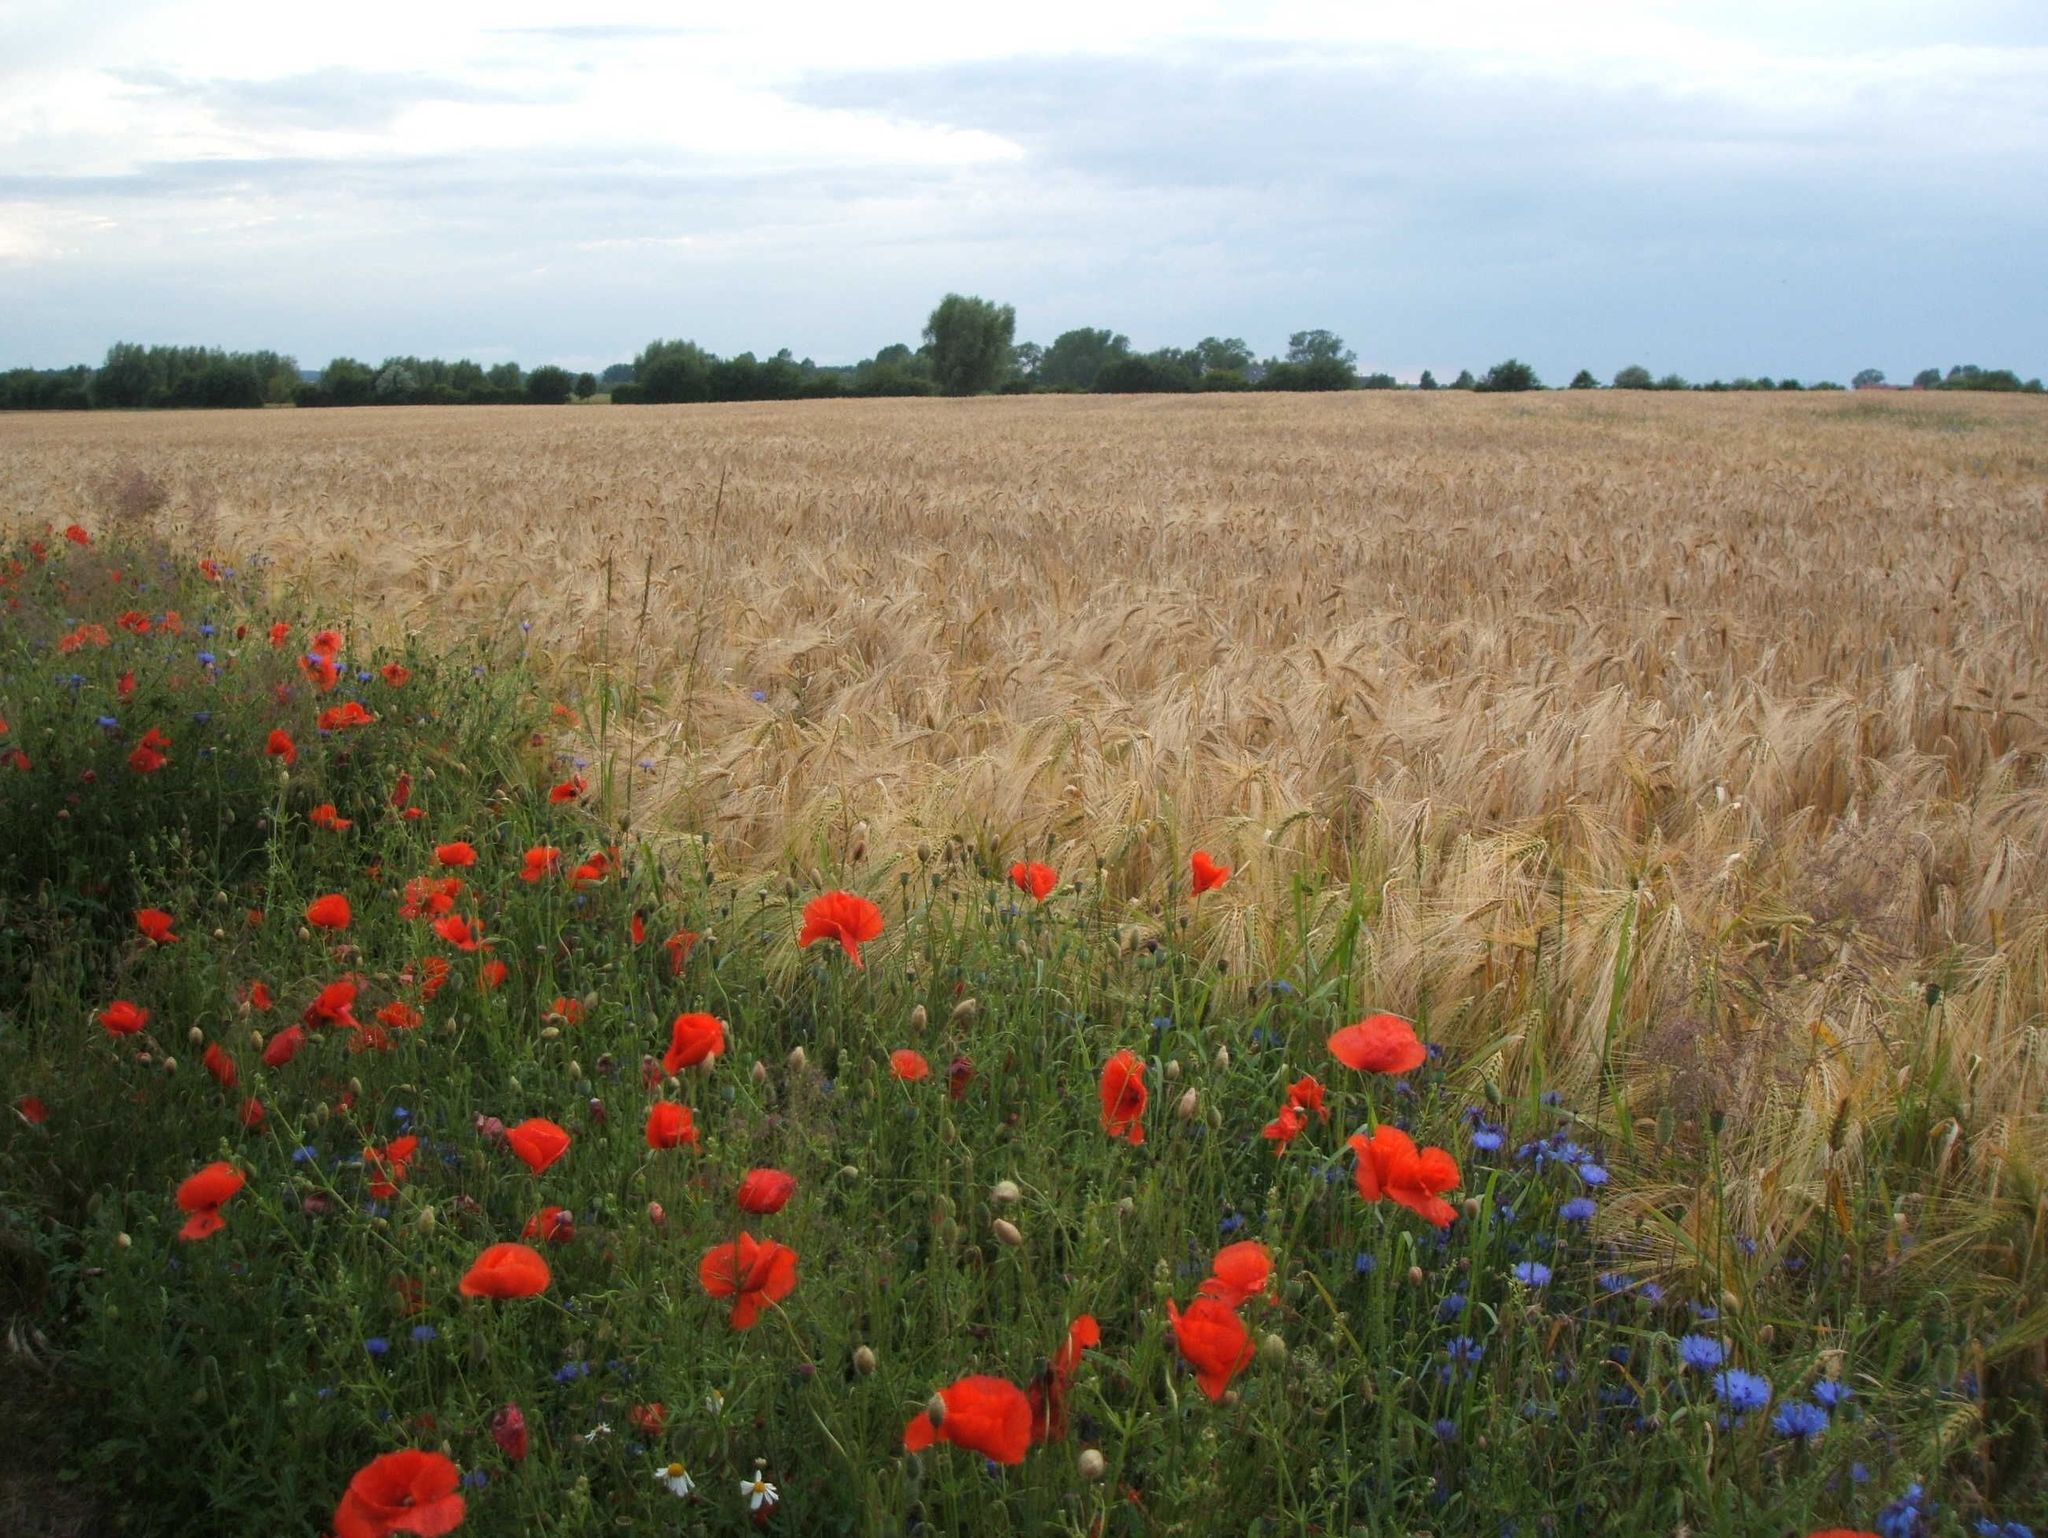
(714, 1403)
(758, 1492)
(676, 1477)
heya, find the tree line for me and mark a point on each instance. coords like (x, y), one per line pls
(968, 347)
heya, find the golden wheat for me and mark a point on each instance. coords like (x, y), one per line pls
(1690, 741)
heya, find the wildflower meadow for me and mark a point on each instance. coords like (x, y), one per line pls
(402, 1138)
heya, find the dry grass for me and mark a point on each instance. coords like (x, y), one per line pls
(1692, 736)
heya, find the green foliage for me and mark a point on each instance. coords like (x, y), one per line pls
(1464, 381)
(1634, 377)
(1224, 355)
(1509, 377)
(968, 340)
(1379, 382)
(586, 385)
(1427, 381)
(1316, 374)
(1152, 373)
(1584, 380)
(549, 386)
(1867, 378)
(1309, 347)
(1077, 357)
(667, 372)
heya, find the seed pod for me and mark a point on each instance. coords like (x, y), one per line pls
(1273, 1351)
(550, 1033)
(1173, 1071)
(170, 1064)
(220, 934)
(849, 1172)
(1223, 1059)
(427, 1220)
(122, 1241)
(1007, 1231)
(760, 1071)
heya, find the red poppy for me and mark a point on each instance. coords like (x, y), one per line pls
(650, 1420)
(121, 1018)
(506, 1271)
(257, 996)
(909, 1066)
(508, 1430)
(399, 1015)
(1048, 1392)
(1240, 1272)
(1379, 1044)
(401, 790)
(396, 674)
(959, 1074)
(679, 945)
(155, 925)
(1286, 1127)
(541, 860)
(852, 921)
(1123, 1097)
(990, 1416)
(388, 1165)
(569, 1011)
(751, 1272)
(31, 1110)
(149, 756)
(429, 974)
(596, 868)
(462, 933)
(763, 1191)
(1306, 1094)
(459, 853)
(216, 1061)
(124, 686)
(551, 1225)
(402, 1492)
(692, 1039)
(329, 912)
(1844, 1532)
(280, 633)
(538, 1142)
(1214, 1340)
(429, 896)
(1390, 1165)
(636, 929)
(252, 1113)
(334, 1005)
(1207, 873)
(134, 621)
(76, 535)
(279, 744)
(1038, 880)
(325, 816)
(670, 1125)
(284, 1046)
(492, 975)
(202, 1195)
(340, 717)
(568, 790)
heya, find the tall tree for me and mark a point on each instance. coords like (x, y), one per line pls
(969, 340)
(1077, 357)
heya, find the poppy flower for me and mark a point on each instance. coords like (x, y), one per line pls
(220, 1066)
(594, 869)
(252, 1113)
(650, 1420)
(1214, 1340)
(340, 717)
(149, 756)
(506, 1271)
(1038, 880)
(1048, 1392)
(1239, 1272)
(459, 853)
(909, 1066)
(462, 933)
(541, 860)
(76, 535)
(692, 1039)
(763, 1191)
(551, 1225)
(1207, 873)
(280, 633)
(121, 1018)
(202, 1195)
(852, 921)
(1379, 1044)
(31, 1110)
(959, 1074)
(679, 945)
(751, 1272)
(124, 686)
(567, 1010)
(388, 1165)
(155, 925)
(492, 975)
(329, 912)
(401, 790)
(279, 744)
(670, 1125)
(1286, 1127)
(990, 1416)
(1306, 1094)
(325, 816)
(1123, 1097)
(334, 1005)
(399, 1015)
(538, 1142)
(403, 1492)
(429, 896)
(284, 1046)
(396, 674)
(636, 929)
(257, 996)
(568, 790)
(508, 1430)
(1390, 1165)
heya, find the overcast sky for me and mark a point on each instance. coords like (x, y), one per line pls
(1800, 187)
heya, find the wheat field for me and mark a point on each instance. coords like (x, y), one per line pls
(1691, 742)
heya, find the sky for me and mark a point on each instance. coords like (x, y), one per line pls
(1783, 187)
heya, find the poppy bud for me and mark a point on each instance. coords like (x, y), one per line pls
(1126, 1207)
(1092, 1465)
(1415, 1276)
(964, 1012)
(427, 1220)
(305, 933)
(1273, 1351)
(196, 1036)
(863, 1360)
(513, 1085)
(1173, 1071)
(596, 1111)
(355, 1086)
(860, 841)
(655, 1214)
(1005, 1193)
(255, 1037)
(550, 1032)
(122, 1241)
(170, 1064)
(935, 1407)
(220, 934)
(1768, 1333)
(797, 1060)
(1471, 1206)
(1223, 1059)
(918, 1019)
(1188, 1102)
(1007, 1231)
(849, 1172)
(760, 1071)
(575, 1069)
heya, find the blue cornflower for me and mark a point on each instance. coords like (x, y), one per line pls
(1653, 1292)
(1486, 1138)
(1907, 1516)
(1593, 1174)
(422, 1333)
(1553, 1097)
(1742, 1391)
(206, 630)
(1797, 1418)
(1986, 1528)
(206, 659)
(1859, 1473)
(475, 1479)
(1364, 1264)
(1579, 1209)
(110, 723)
(1463, 1348)
(569, 1372)
(376, 1345)
(1232, 1223)
(306, 1154)
(400, 1114)
(202, 717)
(1453, 1304)
(760, 695)
(1614, 1281)
(1447, 1430)
(1533, 1273)
(1831, 1392)
(1702, 1353)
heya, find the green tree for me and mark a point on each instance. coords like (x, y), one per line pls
(127, 380)
(345, 382)
(667, 372)
(1223, 354)
(1584, 380)
(586, 385)
(1867, 379)
(549, 386)
(969, 342)
(1152, 373)
(1464, 381)
(1379, 382)
(1427, 381)
(1319, 346)
(1510, 377)
(1077, 356)
(1927, 379)
(1634, 377)
(505, 378)
(1673, 382)
(1025, 359)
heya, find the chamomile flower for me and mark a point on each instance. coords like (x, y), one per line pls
(676, 1477)
(757, 1492)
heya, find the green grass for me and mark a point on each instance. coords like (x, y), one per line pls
(1404, 1380)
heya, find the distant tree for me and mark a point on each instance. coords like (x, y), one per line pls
(1225, 354)
(969, 341)
(1790, 384)
(1927, 379)
(504, 378)
(1673, 382)
(397, 385)
(1634, 377)
(668, 371)
(345, 382)
(617, 373)
(1318, 346)
(1510, 377)
(1464, 381)
(1025, 359)
(1076, 357)
(1584, 380)
(1427, 381)
(549, 386)
(1867, 379)
(1379, 382)
(1223, 379)
(126, 378)
(1316, 374)
(586, 385)
(1152, 373)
